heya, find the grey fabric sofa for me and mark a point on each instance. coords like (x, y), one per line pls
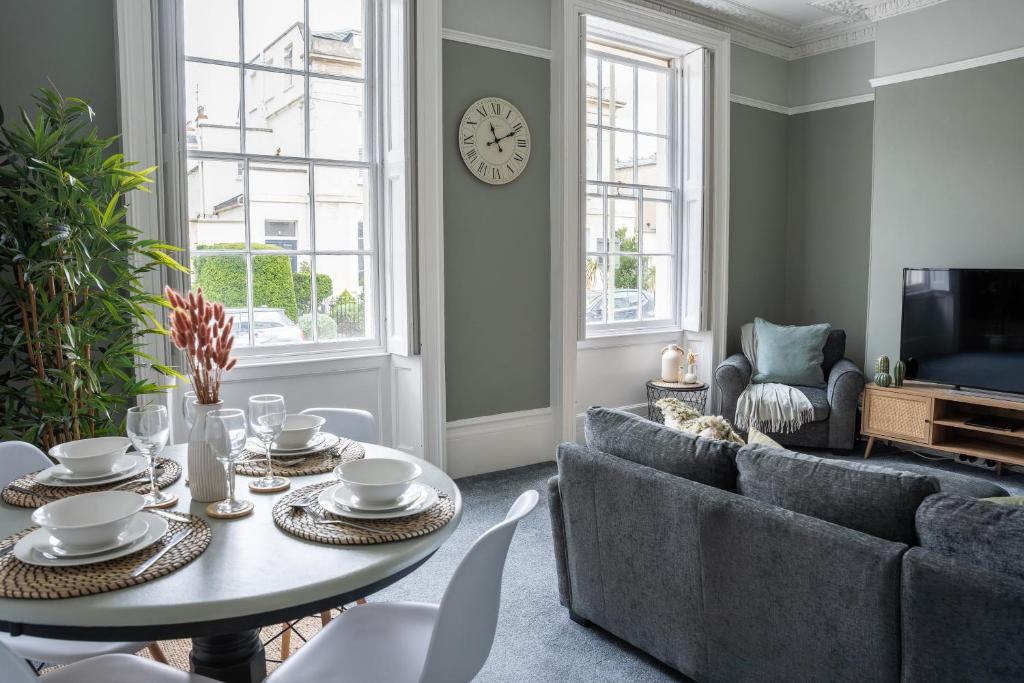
(835, 406)
(669, 542)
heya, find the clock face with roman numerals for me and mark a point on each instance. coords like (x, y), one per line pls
(494, 140)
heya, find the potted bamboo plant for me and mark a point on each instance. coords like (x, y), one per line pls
(74, 311)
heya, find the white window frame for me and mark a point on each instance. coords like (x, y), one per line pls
(607, 328)
(567, 172)
(171, 24)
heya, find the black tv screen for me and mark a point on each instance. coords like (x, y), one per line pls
(964, 327)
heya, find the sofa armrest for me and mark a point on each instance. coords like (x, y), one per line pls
(845, 384)
(558, 537)
(731, 377)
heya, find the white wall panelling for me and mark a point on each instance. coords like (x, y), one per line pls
(939, 69)
(495, 43)
(804, 108)
(498, 442)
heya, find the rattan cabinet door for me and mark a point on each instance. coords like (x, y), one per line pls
(903, 417)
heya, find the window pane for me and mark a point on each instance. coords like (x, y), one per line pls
(275, 118)
(596, 276)
(592, 153)
(652, 102)
(336, 37)
(656, 287)
(591, 102)
(211, 29)
(657, 227)
(342, 202)
(279, 206)
(595, 224)
(336, 125)
(270, 26)
(622, 222)
(216, 216)
(348, 305)
(224, 278)
(621, 107)
(622, 153)
(280, 296)
(623, 304)
(653, 161)
(211, 107)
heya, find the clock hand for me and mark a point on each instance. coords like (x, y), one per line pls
(494, 134)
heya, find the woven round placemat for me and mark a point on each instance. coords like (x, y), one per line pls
(20, 580)
(41, 494)
(319, 463)
(298, 523)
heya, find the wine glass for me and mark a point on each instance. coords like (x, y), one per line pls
(188, 407)
(225, 434)
(148, 429)
(266, 417)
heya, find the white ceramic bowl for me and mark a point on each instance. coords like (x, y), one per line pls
(91, 457)
(89, 519)
(298, 430)
(376, 481)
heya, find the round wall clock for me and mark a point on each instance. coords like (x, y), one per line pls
(494, 140)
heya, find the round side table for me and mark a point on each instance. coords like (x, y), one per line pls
(694, 395)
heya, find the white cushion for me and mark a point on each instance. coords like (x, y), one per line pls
(54, 651)
(122, 669)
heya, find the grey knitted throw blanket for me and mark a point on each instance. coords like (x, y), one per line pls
(774, 408)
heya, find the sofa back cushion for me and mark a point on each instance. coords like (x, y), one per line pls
(629, 436)
(975, 532)
(873, 500)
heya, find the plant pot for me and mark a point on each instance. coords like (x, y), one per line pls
(206, 481)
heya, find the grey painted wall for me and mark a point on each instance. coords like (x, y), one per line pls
(948, 32)
(757, 218)
(759, 76)
(70, 42)
(520, 21)
(831, 75)
(829, 219)
(497, 245)
(949, 173)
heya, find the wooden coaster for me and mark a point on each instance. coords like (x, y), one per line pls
(211, 510)
(169, 503)
(271, 489)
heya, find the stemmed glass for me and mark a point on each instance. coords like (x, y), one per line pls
(225, 434)
(188, 407)
(266, 417)
(148, 429)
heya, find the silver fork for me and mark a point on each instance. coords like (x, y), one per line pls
(307, 507)
(142, 478)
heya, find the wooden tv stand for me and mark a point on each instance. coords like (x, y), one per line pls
(933, 417)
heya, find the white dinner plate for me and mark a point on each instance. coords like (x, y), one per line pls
(344, 496)
(137, 528)
(28, 548)
(327, 441)
(126, 467)
(327, 502)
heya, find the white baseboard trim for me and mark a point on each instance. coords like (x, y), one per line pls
(499, 442)
(803, 108)
(495, 43)
(951, 67)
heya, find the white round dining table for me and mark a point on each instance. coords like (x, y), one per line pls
(253, 574)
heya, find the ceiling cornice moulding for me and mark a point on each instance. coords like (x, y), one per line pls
(852, 23)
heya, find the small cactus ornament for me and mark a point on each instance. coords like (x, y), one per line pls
(882, 376)
(899, 373)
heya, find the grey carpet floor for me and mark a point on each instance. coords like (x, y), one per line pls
(535, 641)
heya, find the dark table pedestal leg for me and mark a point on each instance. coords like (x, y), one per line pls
(230, 657)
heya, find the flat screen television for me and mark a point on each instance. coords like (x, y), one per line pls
(965, 327)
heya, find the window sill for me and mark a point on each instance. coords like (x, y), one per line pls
(260, 360)
(609, 340)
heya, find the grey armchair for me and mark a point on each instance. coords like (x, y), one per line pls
(835, 406)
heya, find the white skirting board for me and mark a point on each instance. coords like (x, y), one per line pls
(499, 442)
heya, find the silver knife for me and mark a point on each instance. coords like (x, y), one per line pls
(175, 540)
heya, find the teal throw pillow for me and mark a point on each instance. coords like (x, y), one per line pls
(790, 354)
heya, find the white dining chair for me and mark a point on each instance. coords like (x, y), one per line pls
(410, 642)
(358, 425)
(118, 668)
(17, 459)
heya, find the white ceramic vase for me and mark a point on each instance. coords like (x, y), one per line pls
(206, 480)
(671, 356)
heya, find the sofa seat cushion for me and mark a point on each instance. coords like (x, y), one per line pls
(873, 500)
(974, 532)
(951, 482)
(629, 436)
(819, 400)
